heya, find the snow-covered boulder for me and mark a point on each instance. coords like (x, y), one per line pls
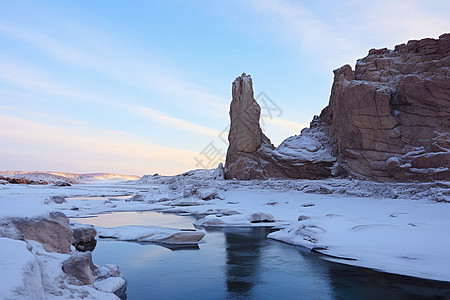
(259, 217)
(219, 173)
(57, 199)
(218, 220)
(207, 193)
(188, 202)
(151, 234)
(110, 285)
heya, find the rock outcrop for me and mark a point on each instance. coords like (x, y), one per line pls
(84, 237)
(81, 267)
(54, 232)
(251, 155)
(388, 120)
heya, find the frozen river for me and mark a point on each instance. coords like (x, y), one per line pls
(241, 263)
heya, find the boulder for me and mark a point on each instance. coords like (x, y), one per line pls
(57, 199)
(219, 173)
(54, 232)
(136, 198)
(62, 183)
(260, 217)
(81, 267)
(84, 237)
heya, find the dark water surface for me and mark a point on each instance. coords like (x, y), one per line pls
(241, 263)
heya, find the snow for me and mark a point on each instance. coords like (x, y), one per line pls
(109, 285)
(252, 220)
(310, 146)
(37, 274)
(23, 278)
(395, 228)
(151, 234)
(57, 284)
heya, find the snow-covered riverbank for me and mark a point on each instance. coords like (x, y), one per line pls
(396, 228)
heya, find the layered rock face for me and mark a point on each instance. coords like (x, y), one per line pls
(388, 120)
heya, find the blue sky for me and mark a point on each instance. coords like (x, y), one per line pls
(143, 87)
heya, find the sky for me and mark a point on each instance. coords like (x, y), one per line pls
(144, 87)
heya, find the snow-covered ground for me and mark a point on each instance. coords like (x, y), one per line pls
(396, 228)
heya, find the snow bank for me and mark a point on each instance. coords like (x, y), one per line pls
(252, 220)
(23, 278)
(151, 234)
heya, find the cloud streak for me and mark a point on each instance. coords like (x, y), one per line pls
(124, 65)
(95, 149)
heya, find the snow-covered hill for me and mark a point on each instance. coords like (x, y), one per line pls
(53, 177)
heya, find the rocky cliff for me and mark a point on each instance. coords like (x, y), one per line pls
(388, 120)
(251, 155)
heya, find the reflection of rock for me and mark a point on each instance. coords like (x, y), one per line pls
(54, 232)
(81, 267)
(243, 259)
(84, 237)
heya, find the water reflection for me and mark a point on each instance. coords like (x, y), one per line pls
(243, 253)
(141, 218)
(351, 282)
(241, 263)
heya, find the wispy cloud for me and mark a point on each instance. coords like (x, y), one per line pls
(306, 30)
(92, 147)
(124, 65)
(38, 81)
(400, 21)
(28, 77)
(173, 122)
(335, 33)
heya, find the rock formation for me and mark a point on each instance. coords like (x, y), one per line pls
(251, 155)
(388, 120)
(84, 237)
(81, 267)
(54, 232)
